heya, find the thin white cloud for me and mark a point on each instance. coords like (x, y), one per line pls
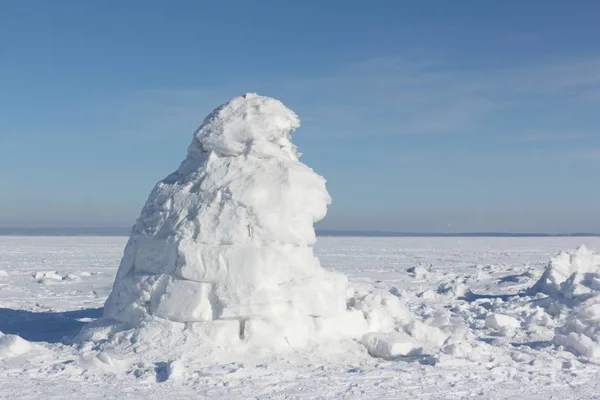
(431, 97)
(587, 155)
(391, 95)
(552, 136)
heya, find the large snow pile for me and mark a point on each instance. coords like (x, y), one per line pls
(570, 275)
(222, 253)
(572, 282)
(229, 235)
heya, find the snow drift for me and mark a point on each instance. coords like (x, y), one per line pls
(570, 275)
(572, 283)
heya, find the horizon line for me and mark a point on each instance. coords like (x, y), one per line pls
(125, 231)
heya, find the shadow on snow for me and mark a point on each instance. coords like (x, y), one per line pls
(51, 327)
(470, 296)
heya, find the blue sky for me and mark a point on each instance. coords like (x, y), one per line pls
(423, 116)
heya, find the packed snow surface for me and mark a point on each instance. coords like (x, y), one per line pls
(450, 351)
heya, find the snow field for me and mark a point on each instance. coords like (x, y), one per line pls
(460, 355)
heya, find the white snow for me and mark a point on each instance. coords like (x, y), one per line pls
(570, 274)
(461, 356)
(391, 345)
(418, 272)
(572, 282)
(427, 294)
(176, 370)
(13, 345)
(229, 235)
(501, 322)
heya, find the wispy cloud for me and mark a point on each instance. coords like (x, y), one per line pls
(392, 96)
(552, 136)
(434, 97)
(586, 154)
(575, 80)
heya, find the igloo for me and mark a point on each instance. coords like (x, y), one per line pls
(229, 236)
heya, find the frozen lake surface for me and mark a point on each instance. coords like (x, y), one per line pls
(51, 286)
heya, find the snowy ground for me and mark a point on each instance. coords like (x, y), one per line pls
(51, 286)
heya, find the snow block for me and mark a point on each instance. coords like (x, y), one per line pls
(391, 345)
(501, 322)
(184, 301)
(297, 331)
(349, 325)
(13, 345)
(217, 333)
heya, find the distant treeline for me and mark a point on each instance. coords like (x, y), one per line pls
(125, 231)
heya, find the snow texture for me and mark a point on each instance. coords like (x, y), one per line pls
(572, 282)
(460, 357)
(501, 322)
(13, 345)
(391, 345)
(570, 274)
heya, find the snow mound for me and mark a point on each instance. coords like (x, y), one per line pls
(391, 345)
(222, 254)
(229, 237)
(572, 282)
(13, 345)
(384, 312)
(581, 331)
(502, 323)
(570, 274)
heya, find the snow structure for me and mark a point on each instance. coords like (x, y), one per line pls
(229, 235)
(572, 283)
(222, 253)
